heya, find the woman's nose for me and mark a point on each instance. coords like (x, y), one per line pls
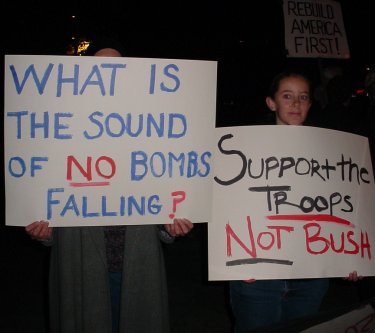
(296, 100)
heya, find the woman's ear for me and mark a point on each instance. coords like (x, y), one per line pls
(271, 104)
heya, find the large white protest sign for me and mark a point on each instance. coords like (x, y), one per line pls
(96, 140)
(314, 28)
(291, 202)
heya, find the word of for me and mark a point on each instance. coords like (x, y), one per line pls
(17, 166)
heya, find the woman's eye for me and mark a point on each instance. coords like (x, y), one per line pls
(287, 96)
(304, 98)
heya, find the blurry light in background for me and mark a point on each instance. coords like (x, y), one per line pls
(78, 47)
(82, 46)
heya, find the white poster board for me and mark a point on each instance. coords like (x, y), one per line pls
(98, 141)
(291, 202)
(358, 320)
(314, 29)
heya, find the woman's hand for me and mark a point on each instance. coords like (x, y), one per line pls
(179, 227)
(353, 276)
(39, 230)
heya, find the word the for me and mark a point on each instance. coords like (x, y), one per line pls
(45, 125)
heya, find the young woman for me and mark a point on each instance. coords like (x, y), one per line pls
(266, 302)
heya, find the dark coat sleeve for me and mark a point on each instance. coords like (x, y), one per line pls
(79, 286)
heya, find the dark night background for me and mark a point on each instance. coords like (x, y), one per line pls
(247, 40)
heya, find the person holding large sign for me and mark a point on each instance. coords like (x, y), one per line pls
(108, 279)
(257, 303)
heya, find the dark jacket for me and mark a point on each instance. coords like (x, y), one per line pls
(79, 287)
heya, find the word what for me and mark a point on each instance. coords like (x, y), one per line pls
(101, 77)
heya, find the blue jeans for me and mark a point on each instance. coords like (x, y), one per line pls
(267, 302)
(115, 288)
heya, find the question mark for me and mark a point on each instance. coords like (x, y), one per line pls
(178, 196)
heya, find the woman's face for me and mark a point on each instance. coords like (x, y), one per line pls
(291, 101)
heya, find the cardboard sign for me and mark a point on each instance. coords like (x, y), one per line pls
(100, 141)
(314, 29)
(291, 202)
